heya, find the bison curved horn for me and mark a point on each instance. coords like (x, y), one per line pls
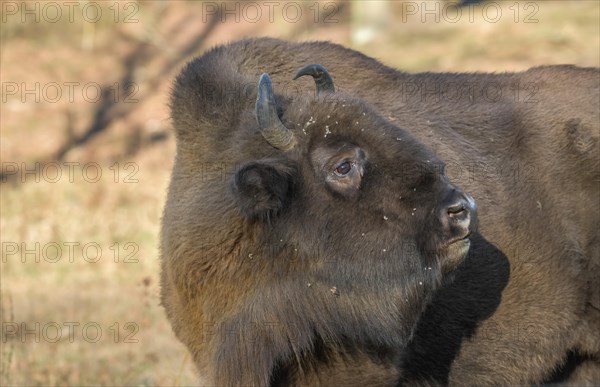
(322, 78)
(269, 123)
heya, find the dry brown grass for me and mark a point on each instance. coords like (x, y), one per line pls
(108, 212)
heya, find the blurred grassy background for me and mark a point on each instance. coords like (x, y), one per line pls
(130, 55)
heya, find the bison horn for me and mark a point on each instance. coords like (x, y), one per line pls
(322, 78)
(269, 123)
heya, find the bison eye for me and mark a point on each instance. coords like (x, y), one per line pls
(343, 168)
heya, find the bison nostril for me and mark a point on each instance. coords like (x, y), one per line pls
(457, 209)
(458, 214)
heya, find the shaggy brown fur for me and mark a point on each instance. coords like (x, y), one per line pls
(525, 145)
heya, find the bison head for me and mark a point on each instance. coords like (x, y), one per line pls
(347, 176)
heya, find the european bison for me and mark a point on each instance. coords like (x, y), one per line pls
(304, 234)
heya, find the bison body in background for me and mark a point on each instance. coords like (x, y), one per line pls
(280, 268)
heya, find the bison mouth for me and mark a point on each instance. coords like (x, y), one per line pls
(450, 252)
(459, 247)
(460, 241)
(454, 252)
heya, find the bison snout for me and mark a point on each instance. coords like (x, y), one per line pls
(459, 215)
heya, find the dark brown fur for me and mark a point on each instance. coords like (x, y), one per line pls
(526, 296)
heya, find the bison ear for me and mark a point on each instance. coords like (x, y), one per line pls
(262, 189)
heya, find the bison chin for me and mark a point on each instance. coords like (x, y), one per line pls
(453, 256)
